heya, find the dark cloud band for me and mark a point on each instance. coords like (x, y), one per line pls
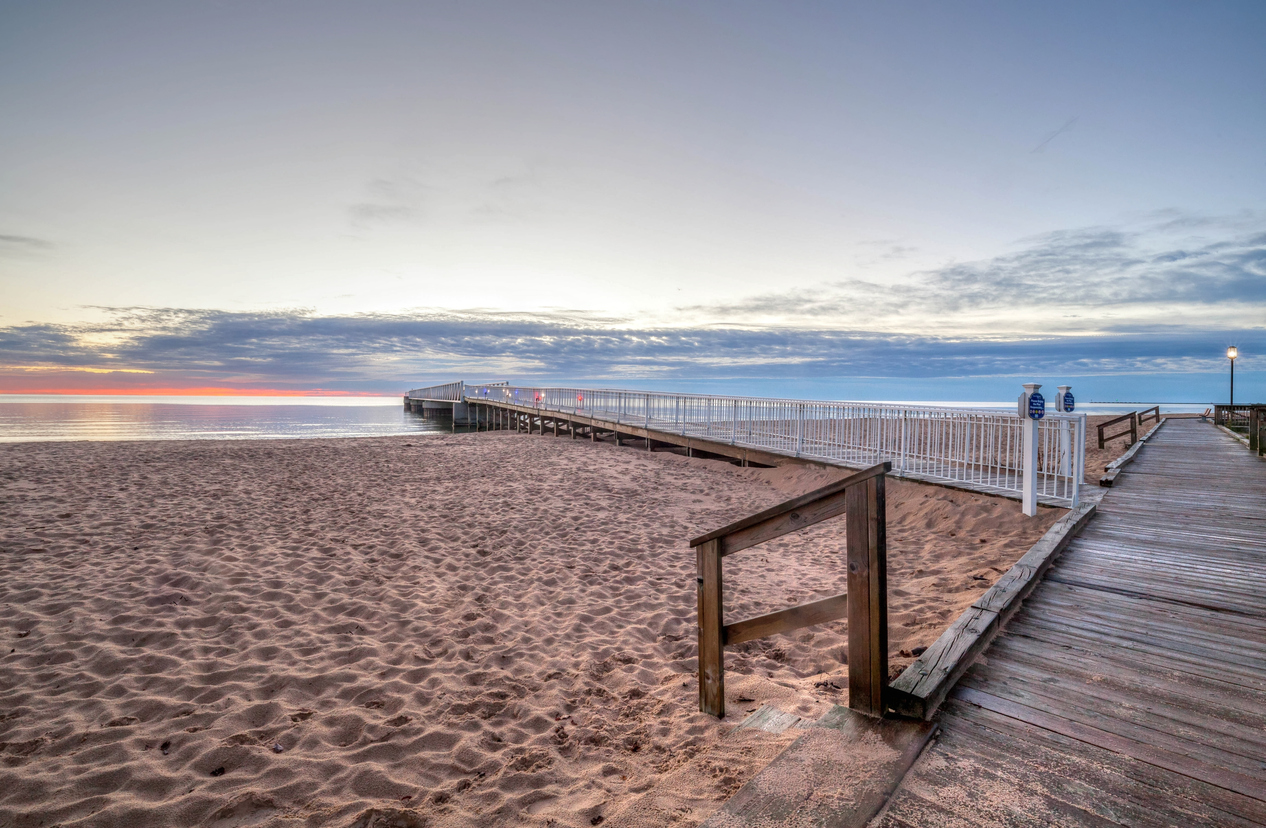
(301, 349)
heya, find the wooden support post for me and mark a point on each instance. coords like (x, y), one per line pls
(1254, 424)
(617, 437)
(555, 425)
(867, 596)
(1134, 427)
(711, 645)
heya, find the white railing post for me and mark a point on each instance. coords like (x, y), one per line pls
(1028, 451)
(800, 429)
(1065, 439)
(901, 466)
(1079, 464)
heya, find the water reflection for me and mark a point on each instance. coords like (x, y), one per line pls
(27, 421)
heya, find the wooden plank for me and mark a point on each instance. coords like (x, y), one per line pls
(1185, 765)
(793, 618)
(711, 648)
(1114, 468)
(1005, 596)
(1055, 690)
(769, 719)
(924, 684)
(785, 517)
(1157, 657)
(868, 585)
(1114, 666)
(838, 774)
(921, 688)
(1022, 762)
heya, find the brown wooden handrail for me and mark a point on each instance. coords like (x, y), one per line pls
(861, 498)
(1147, 414)
(1133, 430)
(789, 516)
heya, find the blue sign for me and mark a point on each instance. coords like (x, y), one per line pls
(1037, 406)
(1068, 400)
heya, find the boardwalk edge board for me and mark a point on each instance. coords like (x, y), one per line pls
(1114, 468)
(1239, 437)
(920, 689)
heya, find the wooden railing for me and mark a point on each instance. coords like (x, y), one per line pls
(1149, 414)
(1132, 418)
(1249, 420)
(860, 497)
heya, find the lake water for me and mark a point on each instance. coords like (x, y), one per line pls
(30, 418)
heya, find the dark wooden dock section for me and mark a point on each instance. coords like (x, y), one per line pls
(1130, 689)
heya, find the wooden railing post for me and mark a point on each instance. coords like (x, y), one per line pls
(711, 645)
(867, 596)
(1254, 420)
(861, 498)
(1134, 427)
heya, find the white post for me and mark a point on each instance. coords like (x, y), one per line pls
(800, 429)
(1065, 438)
(905, 429)
(1028, 449)
(1079, 467)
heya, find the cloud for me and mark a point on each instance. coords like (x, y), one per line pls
(1104, 277)
(388, 352)
(1069, 124)
(388, 201)
(12, 243)
(1165, 296)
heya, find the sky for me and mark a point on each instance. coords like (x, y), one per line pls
(843, 200)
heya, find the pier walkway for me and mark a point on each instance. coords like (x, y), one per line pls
(1130, 688)
(981, 450)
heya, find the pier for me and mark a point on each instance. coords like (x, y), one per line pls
(990, 451)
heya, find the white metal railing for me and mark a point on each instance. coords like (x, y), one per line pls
(449, 391)
(980, 448)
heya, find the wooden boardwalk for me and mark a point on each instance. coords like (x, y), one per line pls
(1130, 689)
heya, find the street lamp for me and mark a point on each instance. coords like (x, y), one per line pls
(1231, 354)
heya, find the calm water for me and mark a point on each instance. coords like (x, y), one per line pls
(28, 418)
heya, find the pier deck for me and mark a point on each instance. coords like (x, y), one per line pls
(949, 466)
(1130, 689)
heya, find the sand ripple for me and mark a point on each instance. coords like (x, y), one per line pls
(488, 629)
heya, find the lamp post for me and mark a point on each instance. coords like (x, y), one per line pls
(1231, 354)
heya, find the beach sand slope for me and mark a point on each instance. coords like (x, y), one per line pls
(450, 630)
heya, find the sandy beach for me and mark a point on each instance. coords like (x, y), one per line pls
(454, 630)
